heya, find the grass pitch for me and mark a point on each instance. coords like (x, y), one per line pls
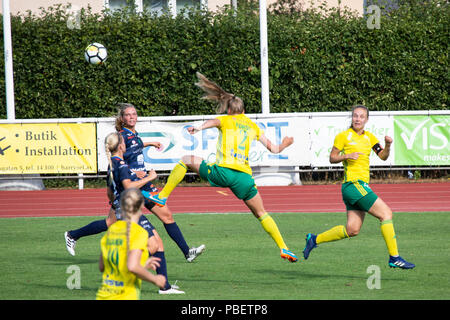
(241, 262)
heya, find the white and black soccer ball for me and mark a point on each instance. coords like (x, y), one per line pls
(95, 53)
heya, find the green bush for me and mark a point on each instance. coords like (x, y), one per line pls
(319, 60)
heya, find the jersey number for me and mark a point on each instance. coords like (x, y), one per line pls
(113, 259)
(244, 139)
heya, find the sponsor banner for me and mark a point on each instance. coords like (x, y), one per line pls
(48, 148)
(33, 148)
(422, 140)
(177, 142)
(325, 129)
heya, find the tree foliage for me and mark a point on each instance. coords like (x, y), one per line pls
(319, 60)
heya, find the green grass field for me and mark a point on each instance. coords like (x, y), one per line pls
(241, 262)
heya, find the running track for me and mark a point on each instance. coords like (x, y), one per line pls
(412, 197)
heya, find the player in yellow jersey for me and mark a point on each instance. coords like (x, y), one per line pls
(352, 147)
(124, 259)
(231, 169)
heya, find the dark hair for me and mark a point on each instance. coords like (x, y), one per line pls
(360, 106)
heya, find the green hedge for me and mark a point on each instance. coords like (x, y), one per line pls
(318, 61)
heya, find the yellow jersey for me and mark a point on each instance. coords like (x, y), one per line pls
(349, 141)
(118, 283)
(236, 133)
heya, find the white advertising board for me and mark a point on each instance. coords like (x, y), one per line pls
(177, 142)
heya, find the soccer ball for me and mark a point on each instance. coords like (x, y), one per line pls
(95, 53)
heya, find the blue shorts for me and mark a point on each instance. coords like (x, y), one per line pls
(147, 225)
(143, 222)
(148, 204)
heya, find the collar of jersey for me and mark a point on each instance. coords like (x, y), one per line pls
(364, 132)
(135, 133)
(117, 157)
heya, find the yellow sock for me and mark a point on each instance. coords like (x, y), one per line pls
(387, 230)
(175, 177)
(335, 233)
(271, 228)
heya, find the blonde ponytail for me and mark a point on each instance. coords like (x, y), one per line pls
(131, 201)
(128, 235)
(112, 142)
(225, 100)
(108, 157)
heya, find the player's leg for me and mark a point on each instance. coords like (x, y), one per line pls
(162, 269)
(381, 210)
(179, 171)
(355, 218)
(193, 162)
(176, 176)
(165, 215)
(153, 245)
(71, 237)
(255, 204)
(111, 217)
(244, 188)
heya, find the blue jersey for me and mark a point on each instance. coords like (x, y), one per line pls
(121, 171)
(134, 154)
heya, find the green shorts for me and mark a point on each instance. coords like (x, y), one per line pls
(240, 183)
(357, 195)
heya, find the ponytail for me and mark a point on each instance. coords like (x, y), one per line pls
(225, 100)
(112, 142)
(131, 201)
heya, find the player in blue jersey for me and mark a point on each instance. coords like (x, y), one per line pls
(134, 156)
(122, 178)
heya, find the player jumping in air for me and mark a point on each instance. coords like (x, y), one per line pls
(231, 169)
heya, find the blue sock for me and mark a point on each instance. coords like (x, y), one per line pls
(162, 269)
(176, 235)
(90, 229)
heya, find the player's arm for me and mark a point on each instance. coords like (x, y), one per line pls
(212, 123)
(155, 144)
(276, 148)
(336, 156)
(127, 183)
(383, 153)
(101, 266)
(110, 194)
(134, 266)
